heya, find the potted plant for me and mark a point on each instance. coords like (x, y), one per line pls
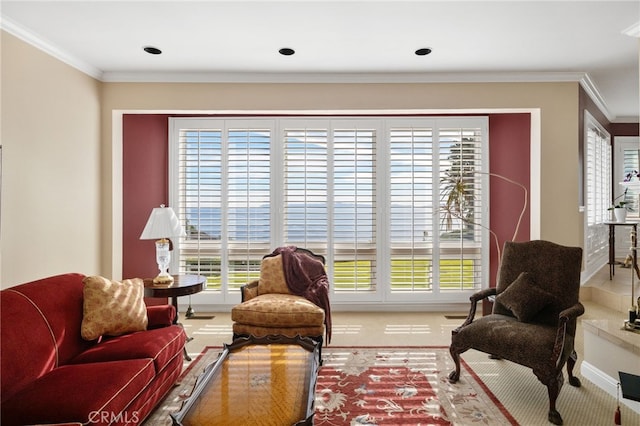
(620, 207)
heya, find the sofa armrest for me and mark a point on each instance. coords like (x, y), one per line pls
(160, 316)
(249, 290)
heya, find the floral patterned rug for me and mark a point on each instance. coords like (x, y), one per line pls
(401, 386)
(378, 386)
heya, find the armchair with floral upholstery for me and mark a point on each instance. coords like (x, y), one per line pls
(289, 299)
(533, 322)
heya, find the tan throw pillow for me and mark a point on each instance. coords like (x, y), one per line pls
(112, 308)
(272, 276)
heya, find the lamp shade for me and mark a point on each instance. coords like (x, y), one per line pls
(162, 223)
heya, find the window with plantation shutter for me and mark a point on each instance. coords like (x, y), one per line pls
(223, 197)
(598, 192)
(366, 193)
(430, 249)
(330, 197)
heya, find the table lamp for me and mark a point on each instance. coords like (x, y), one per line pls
(162, 225)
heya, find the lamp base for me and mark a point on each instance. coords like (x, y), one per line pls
(163, 280)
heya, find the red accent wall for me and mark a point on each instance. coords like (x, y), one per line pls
(145, 186)
(509, 156)
(145, 183)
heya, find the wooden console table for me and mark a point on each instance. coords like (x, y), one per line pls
(256, 380)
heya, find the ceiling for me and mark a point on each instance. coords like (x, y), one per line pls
(595, 42)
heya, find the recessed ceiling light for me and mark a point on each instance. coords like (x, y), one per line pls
(424, 51)
(286, 51)
(152, 50)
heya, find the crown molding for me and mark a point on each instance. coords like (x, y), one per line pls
(37, 41)
(596, 97)
(351, 77)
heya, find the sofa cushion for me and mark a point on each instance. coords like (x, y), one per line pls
(113, 308)
(524, 298)
(161, 345)
(278, 310)
(80, 393)
(272, 278)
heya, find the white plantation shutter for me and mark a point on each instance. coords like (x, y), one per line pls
(426, 253)
(306, 179)
(330, 198)
(223, 187)
(248, 202)
(363, 192)
(354, 223)
(200, 184)
(412, 208)
(598, 190)
(460, 156)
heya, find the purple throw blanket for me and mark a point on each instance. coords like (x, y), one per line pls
(307, 277)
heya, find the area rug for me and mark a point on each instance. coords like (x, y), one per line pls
(378, 386)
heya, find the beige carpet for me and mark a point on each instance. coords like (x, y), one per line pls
(520, 398)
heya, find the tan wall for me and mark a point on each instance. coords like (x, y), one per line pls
(558, 104)
(50, 132)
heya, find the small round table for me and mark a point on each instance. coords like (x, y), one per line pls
(182, 285)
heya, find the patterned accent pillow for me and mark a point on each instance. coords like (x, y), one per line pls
(112, 308)
(272, 278)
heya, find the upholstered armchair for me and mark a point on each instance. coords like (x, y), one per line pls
(533, 322)
(290, 298)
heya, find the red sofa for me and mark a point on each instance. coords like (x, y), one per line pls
(49, 374)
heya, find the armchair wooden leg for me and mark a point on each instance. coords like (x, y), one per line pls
(571, 362)
(454, 376)
(553, 388)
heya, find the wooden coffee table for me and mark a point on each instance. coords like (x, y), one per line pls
(255, 380)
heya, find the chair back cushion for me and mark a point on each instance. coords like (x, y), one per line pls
(550, 267)
(272, 278)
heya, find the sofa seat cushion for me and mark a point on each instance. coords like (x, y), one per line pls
(80, 393)
(161, 345)
(278, 310)
(527, 344)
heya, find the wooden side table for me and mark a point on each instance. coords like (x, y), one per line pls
(182, 285)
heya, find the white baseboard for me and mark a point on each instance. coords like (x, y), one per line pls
(606, 383)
